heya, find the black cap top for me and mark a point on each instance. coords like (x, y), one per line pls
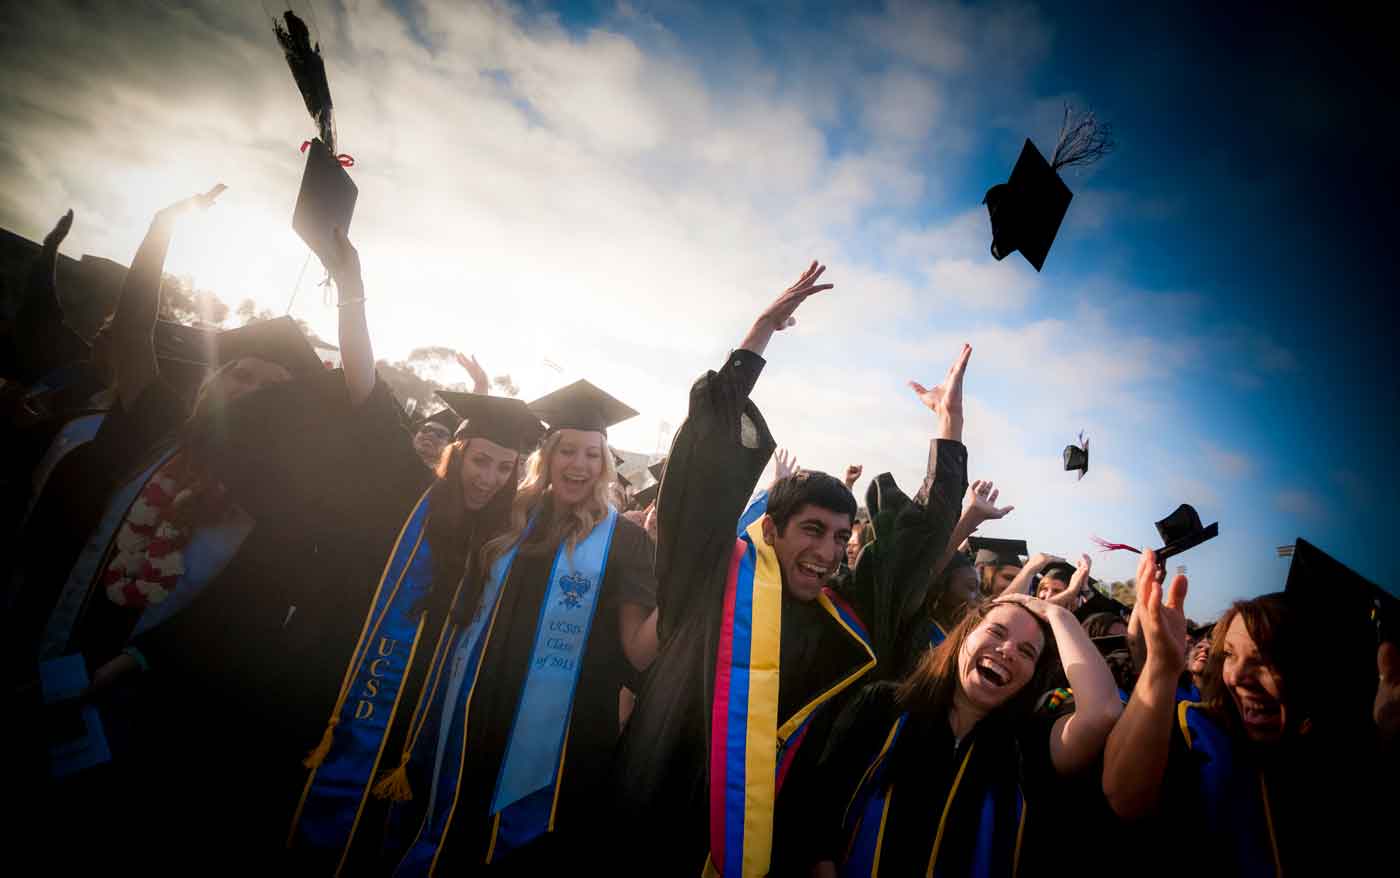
(1077, 456)
(278, 340)
(581, 406)
(1099, 602)
(643, 498)
(657, 469)
(444, 416)
(1182, 530)
(990, 550)
(326, 202)
(1337, 600)
(1061, 570)
(1196, 631)
(1026, 211)
(500, 419)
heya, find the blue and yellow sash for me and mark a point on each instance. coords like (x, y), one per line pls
(92, 560)
(870, 807)
(936, 634)
(343, 768)
(527, 785)
(750, 752)
(1234, 800)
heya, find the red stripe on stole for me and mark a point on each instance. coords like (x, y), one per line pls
(719, 707)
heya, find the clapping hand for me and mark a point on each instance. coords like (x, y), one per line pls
(480, 383)
(1077, 593)
(980, 503)
(58, 233)
(946, 399)
(1163, 623)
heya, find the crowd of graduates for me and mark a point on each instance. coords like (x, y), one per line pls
(259, 618)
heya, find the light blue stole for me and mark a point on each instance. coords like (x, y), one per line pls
(77, 432)
(526, 791)
(80, 583)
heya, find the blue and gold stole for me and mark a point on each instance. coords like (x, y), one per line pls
(343, 767)
(1234, 800)
(527, 784)
(867, 814)
(936, 634)
(750, 753)
(92, 560)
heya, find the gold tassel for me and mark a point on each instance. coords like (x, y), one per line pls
(323, 749)
(394, 785)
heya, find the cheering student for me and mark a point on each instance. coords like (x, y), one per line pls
(1248, 774)
(955, 586)
(702, 768)
(939, 774)
(509, 760)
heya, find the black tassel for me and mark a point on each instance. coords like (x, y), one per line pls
(1083, 140)
(309, 71)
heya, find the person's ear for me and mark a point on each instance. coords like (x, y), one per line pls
(770, 530)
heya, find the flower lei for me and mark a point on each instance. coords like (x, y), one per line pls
(149, 557)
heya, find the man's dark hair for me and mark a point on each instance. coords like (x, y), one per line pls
(808, 487)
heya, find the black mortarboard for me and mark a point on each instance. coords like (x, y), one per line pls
(1077, 456)
(1195, 631)
(503, 420)
(1026, 210)
(1099, 602)
(990, 550)
(1058, 570)
(1182, 530)
(617, 464)
(326, 202)
(658, 469)
(581, 406)
(1110, 643)
(446, 417)
(278, 340)
(1337, 598)
(642, 499)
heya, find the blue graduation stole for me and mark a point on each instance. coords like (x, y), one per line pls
(1234, 799)
(73, 434)
(338, 786)
(870, 808)
(936, 634)
(758, 507)
(527, 784)
(91, 560)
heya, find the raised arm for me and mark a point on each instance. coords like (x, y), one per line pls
(356, 353)
(43, 341)
(132, 330)
(1135, 759)
(716, 459)
(1025, 580)
(979, 507)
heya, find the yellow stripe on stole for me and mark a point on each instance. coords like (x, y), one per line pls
(880, 835)
(1269, 823)
(798, 718)
(1181, 708)
(947, 808)
(761, 750)
(874, 763)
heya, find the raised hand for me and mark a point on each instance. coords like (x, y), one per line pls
(1074, 596)
(778, 315)
(1163, 623)
(649, 523)
(480, 383)
(946, 399)
(1041, 608)
(784, 464)
(345, 267)
(980, 503)
(853, 474)
(203, 201)
(58, 233)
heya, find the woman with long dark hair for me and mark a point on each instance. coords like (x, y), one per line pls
(938, 774)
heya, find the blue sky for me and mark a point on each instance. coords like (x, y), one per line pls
(621, 187)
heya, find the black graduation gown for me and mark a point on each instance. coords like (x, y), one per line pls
(243, 681)
(593, 726)
(923, 766)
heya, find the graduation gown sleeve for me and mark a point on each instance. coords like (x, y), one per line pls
(715, 461)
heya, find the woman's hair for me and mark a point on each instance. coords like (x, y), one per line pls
(1281, 642)
(930, 687)
(535, 494)
(452, 532)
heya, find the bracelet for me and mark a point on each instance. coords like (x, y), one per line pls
(140, 659)
(351, 302)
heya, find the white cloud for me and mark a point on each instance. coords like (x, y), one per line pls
(1301, 503)
(1226, 463)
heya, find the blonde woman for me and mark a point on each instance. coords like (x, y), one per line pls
(520, 718)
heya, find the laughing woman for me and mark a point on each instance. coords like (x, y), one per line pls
(936, 775)
(512, 751)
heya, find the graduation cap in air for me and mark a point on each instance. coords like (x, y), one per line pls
(1182, 530)
(1026, 210)
(325, 202)
(644, 498)
(990, 550)
(279, 340)
(1077, 456)
(581, 406)
(503, 420)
